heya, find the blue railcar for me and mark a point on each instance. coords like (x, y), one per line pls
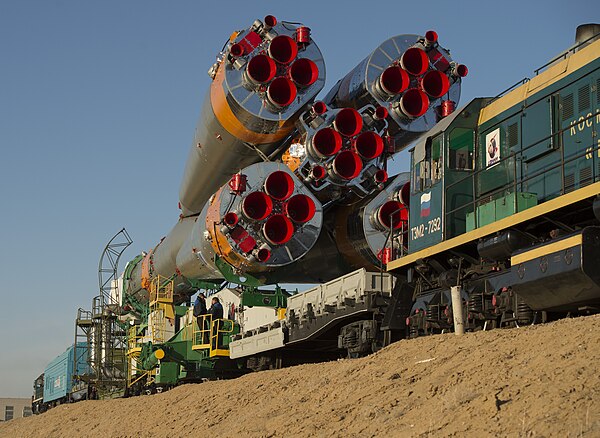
(62, 375)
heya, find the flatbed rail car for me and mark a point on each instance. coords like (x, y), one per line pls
(504, 202)
(344, 315)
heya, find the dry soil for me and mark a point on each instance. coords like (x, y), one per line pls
(534, 382)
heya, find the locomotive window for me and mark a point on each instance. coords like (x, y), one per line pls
(428, 171)
(436, 159)
(460, 153)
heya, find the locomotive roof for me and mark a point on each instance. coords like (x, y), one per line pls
(556, 71)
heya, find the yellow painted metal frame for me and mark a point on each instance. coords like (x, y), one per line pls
(215, 332)
(200, 333)
(502, 224)
(526, 256)
(133, 353)
(161, 305)
(211, 334)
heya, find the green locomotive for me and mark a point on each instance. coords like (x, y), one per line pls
(504, 203)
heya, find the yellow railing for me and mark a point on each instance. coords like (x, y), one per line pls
(161, 290)
(219, 329)
(134, 374)
(133, 339)
(208, 335)
(161, 308)
(202, 326)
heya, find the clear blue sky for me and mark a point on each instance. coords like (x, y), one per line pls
(98, 103)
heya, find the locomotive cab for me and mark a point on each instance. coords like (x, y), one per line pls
(442, 179)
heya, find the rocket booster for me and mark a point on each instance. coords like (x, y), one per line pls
(412, 77)
(284, 188)
(261, 81)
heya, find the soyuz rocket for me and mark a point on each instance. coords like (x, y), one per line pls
(281, 187)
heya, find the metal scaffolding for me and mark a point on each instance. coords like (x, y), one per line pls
(104, 334)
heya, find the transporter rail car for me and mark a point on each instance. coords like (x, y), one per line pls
(501, 204)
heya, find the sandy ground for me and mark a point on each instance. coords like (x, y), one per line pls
(529, 382)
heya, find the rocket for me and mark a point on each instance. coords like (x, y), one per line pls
(281, 187)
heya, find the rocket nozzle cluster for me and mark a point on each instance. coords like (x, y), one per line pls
(410, 76)
(274, 62)
(273, 221)
(421, 75)
(342, 147)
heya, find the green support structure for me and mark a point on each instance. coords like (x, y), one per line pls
(253, 297)
(228, 273)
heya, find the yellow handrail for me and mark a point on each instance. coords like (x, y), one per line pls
(218, 330)
(207, 335)
(202, 334)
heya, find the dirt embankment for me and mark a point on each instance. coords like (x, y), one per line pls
(532, 382)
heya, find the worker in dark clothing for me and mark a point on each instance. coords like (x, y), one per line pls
(216, 309)
(200, 308)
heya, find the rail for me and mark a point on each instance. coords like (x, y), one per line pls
(219, 329)
(134, 373)
(161, 308)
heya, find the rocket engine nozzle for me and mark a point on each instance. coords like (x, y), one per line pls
(279, 185)
(278, 229)
(304, 72)
(414, 103)
(283, 49)
(261, 69)
(237, 50)
(263, 254)
(431, 37)
(348, 122)
(460, 70)
(380, 176)
(326, 142)
(391, 215)
(415, 61)
(369, 145)
(270, 21)
(435, 83)
(381, 112)
(394, 80)
(319, 108)
(300, 208)
(281, 92)
(347, 165)
(231, 219)
(318, 172)
(256, 206)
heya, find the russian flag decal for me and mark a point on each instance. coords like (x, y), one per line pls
(425, 204)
